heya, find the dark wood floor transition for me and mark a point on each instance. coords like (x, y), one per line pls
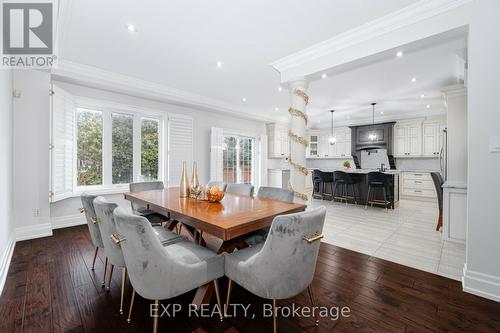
(51, 288)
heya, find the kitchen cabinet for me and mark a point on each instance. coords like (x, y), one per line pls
(278, 141)
(432, 135)
(407, 139)
(278, 178)
(320, 147)
(314, 142)
(417, 184)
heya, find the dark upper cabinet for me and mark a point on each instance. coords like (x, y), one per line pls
(360, 137)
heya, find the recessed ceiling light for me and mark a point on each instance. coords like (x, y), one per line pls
(280, 89)
(399, 54)
(219, 63)
(243, 99)
(422, 96)
(381, 112)
(428, 106)
(323, 76)
(276, 109)
(413, 79)
(131, 28)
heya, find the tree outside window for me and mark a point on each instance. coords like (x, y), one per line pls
(89, 147)
(149, 149)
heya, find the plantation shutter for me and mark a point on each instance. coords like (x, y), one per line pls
(180, 146)
(62, 144)
(216, 154)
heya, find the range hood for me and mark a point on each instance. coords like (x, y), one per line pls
(361, 140)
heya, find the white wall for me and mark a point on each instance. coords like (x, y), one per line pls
(31, 154)
(6, 229)
(67, 210)
(482, 274)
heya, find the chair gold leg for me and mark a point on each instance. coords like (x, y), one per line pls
(217, 295)
(180, 228)
(155, 320)
(275, 318)
(201, 237)
(229, 289)
(311, 296)
(105, 268)
(129, 319)
(122, 294)
(109, 280)
(95, 257)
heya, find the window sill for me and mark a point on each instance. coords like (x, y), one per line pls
(97, 190)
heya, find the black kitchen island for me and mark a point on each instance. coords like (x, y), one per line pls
(324, 190)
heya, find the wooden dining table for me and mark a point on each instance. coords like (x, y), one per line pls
(228, 221)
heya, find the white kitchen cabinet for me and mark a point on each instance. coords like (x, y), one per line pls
(320, 147)
(278, 178)
(314, 142)
(417, 184)
(407, 139)
(432, 134)
(278, 142)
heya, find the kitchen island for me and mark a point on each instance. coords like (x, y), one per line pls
(361, 177)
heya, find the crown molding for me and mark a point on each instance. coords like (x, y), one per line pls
(93, 77)
(402, 18)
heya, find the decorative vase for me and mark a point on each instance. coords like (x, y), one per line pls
(184, 184)
(194, 177)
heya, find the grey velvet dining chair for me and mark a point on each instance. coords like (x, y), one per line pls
(106, 222)
(241, 189)
(266, 192)
(153, 217)
(159, 272)
(95, 233)
(221, 185)
(283, 266)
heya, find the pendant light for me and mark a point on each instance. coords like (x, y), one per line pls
(373, 135)
(332, 139)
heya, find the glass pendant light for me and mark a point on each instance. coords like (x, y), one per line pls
(332, 139)
(373, 135)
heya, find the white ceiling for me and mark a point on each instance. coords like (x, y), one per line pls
(179, 42)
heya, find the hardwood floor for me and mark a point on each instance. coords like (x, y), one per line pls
(51, 288)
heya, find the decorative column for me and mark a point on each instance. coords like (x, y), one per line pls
(298, 139)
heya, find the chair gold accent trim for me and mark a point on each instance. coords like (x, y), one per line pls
(93, 219)
(312, 238)
(82, 210)
(117, 239)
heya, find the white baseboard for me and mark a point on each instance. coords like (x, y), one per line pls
(68, 221)
(480, 284)
(5, 260)
(33, 231)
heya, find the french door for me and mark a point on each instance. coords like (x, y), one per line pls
(239, 159)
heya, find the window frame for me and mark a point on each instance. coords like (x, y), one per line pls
(107, 109)
(256, 158)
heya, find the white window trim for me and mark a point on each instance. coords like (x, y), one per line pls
(107, 108)
(256, 170)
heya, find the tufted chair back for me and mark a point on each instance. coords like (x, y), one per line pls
(275, 193)
(106, 222)
(88, 206)
(144, 186)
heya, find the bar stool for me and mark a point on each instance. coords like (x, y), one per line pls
(377, 179)
(322, 179)
(345, 180)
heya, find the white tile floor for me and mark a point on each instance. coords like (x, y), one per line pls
(405, 235)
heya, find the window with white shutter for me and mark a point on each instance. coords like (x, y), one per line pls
(216, 154)
(180, 146)
(62, 144)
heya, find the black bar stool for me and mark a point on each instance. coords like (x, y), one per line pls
(345, 180)
(321, 180)
(375, 180)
